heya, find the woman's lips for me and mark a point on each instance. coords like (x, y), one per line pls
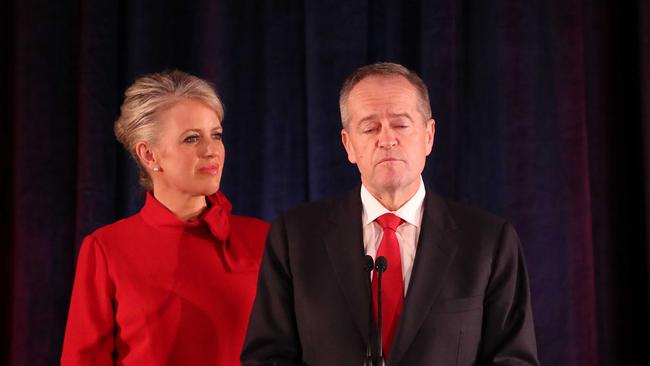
(209, 169)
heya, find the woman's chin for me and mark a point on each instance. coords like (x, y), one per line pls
(207, 187)
(208, 191)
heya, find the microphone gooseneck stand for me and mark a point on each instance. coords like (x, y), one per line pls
(369, 265)
(381, 265)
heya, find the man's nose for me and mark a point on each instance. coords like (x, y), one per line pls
(387, 137)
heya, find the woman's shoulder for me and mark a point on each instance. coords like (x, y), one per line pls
(118, 230)
(250, 225)
(251, 231)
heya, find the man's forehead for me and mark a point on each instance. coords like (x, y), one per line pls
(389, 115)
(382, 91)
(384, 80)
(395, 96)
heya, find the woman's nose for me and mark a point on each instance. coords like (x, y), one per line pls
(211, 148)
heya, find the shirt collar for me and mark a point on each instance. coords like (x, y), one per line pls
(409, 212)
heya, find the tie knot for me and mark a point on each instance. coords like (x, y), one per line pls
(389, 221)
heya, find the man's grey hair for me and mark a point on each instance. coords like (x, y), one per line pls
(384, 69)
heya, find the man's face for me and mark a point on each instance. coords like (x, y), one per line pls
(387, 137)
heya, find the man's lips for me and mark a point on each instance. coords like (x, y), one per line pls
(388, 160)
(209, 169)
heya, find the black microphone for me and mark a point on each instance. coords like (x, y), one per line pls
(381, 265)
(369, 265)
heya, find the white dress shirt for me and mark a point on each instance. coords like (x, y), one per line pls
(407, 233)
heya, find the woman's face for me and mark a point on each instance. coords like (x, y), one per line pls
(189, 150)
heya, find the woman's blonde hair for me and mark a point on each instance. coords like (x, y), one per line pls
(149, 95)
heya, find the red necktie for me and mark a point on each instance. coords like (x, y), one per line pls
(392, 284)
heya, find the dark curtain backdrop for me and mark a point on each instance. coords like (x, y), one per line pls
(542, 109)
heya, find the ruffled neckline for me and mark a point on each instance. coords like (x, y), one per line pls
(216, 217)
(236, 255)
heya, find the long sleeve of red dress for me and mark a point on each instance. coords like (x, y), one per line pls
(155, 290)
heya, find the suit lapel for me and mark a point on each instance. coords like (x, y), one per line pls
(433, 257)
(344, 245)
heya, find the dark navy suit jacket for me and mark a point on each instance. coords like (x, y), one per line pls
(468, 302)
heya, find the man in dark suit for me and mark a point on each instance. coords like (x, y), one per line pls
(455, 290)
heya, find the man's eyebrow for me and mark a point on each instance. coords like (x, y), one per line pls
(399, 115)
(368, 118)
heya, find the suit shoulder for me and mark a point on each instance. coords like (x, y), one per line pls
(464, 211)
(473, 219)
(479, 233)
(313, 212)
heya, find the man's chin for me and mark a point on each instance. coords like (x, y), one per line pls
(390, 186)
(394, 184)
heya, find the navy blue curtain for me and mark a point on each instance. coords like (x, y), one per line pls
(542, 109)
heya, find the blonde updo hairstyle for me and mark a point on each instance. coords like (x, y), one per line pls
(148, 96)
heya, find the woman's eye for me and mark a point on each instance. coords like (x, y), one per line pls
(191, 139)
(217, 135)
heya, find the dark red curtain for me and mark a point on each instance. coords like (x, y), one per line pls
(542, 109)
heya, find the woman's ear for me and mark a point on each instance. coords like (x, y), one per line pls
(147, 157)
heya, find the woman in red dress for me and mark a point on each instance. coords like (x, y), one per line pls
(173, 284)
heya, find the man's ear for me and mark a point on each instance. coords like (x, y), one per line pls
(430, 126)
(347, 144)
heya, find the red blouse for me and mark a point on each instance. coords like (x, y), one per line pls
(155, 290)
